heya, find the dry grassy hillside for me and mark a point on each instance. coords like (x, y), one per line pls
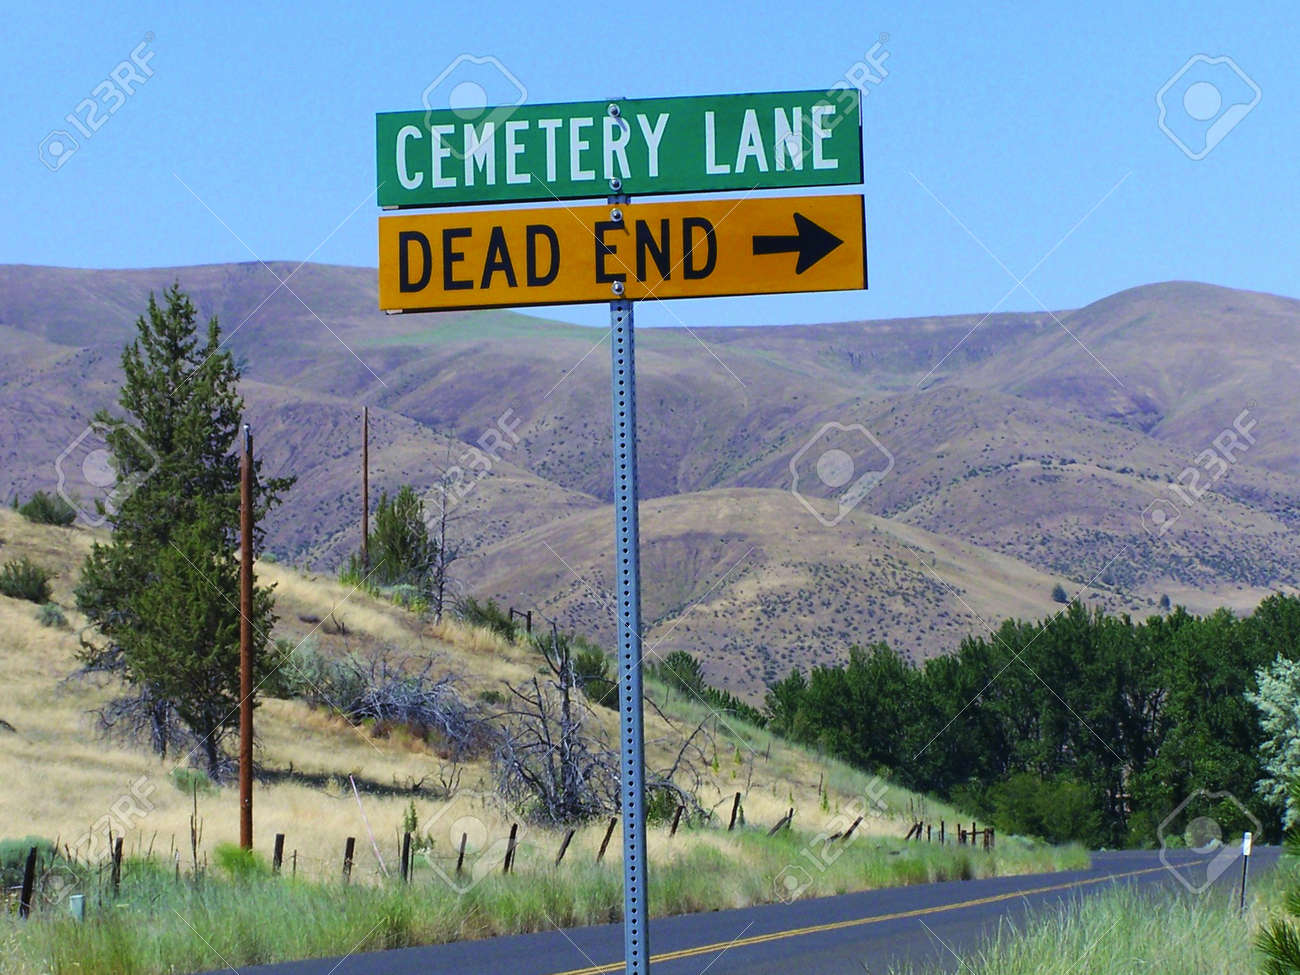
(1009, 442)
(62, 778)
(752, 585)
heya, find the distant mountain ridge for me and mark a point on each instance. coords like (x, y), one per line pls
(1026, 450)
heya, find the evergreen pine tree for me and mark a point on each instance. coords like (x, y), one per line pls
(402, 552)
(164, 592)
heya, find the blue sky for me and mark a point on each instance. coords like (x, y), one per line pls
(1004, 138)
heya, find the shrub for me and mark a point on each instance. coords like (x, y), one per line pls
(488, 615)
(48, 509)
(190, 780)
(239, 863)
(591, 671)
(51, 615)
(409, 597)
(1058, 809)
(355, 574)
(24, 579)
(724, 700)
(680, 671)
(1059, 594)
(401, 550)
(660, 806)
(306, 673)
(379, 691)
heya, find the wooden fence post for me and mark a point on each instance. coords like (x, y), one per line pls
(677, 818)
(460, 860)
(349, 848)
(406, 857)
(849, 832)
(29, 880)
(277, 857)
(928, 827)
(564, 847)
(735, 807)
(116, 876)
(941, 842)
(510, 848)
(605, 842)
(527, 617)
(779, 823)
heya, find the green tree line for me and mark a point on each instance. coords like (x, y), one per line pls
(1084, 727)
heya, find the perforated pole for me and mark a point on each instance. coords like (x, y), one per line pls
(627, 568)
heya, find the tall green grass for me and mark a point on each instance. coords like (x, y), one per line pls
(1152, 932)
(242, 917)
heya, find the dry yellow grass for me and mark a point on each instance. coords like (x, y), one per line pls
(59, 779)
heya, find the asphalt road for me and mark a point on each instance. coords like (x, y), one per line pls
(852, 933)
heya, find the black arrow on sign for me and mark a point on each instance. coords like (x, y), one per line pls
(809, 241)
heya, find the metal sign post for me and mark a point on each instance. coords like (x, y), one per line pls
(627, 568)
(454, 259)
(1247, 841)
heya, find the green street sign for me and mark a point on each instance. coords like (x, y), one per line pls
(698, 144)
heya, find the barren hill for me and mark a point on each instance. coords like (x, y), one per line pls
(1017, 450)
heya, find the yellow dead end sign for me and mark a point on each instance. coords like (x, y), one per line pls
(680, 249)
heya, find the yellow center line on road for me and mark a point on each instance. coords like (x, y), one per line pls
(857, 922)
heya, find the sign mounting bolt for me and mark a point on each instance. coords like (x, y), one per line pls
(614, 110)
(616, 215)
(617, 287)
(615, 184)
